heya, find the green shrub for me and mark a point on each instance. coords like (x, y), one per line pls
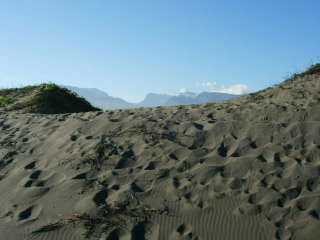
(4, 101)
(49, 87)
(50, 98)
(312, 70)
(47, 98)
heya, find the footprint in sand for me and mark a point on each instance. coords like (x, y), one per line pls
(184, 232)
(42, 180)
(140, 231)
(100, 197)
(29, 214)
(35, 175)
(30, 166)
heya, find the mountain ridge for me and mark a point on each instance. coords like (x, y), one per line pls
(100, 98)
(103, 100)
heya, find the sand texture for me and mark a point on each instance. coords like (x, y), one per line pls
(246, 169)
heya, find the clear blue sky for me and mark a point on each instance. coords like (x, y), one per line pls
(129, 47)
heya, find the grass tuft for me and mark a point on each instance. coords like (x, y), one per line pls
(312, 70)
(4, 101)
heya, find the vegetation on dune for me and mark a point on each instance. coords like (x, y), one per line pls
(312, 70)
(53, 99)
(45, 98)
(4, 101)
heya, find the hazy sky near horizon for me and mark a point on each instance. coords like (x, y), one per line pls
(130, 48)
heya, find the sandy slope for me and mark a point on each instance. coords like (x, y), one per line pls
(244, 169)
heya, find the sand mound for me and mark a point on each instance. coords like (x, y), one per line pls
(242, 169)
(45, 99)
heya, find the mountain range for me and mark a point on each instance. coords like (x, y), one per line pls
(102, 100)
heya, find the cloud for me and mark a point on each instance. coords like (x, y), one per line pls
(183, 90)
(231, 89)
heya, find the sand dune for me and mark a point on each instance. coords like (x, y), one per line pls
(242, 169)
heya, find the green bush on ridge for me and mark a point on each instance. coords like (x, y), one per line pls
(47, 98)
(4, 101)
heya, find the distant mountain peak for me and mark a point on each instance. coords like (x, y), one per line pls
(102, 100)
(188, 94)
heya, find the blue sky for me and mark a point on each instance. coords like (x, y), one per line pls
(130, 48)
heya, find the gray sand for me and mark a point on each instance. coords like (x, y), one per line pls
(244, 169)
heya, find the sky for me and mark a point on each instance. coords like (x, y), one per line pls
(130, 48)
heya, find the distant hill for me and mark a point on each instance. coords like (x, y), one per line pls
(182, 99)
(44, 98)
(101, 99)
(205, 97)
(153, 100)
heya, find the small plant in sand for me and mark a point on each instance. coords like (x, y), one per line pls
(107, 219)
(49, 87)
(4, 101)
(312, 70)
